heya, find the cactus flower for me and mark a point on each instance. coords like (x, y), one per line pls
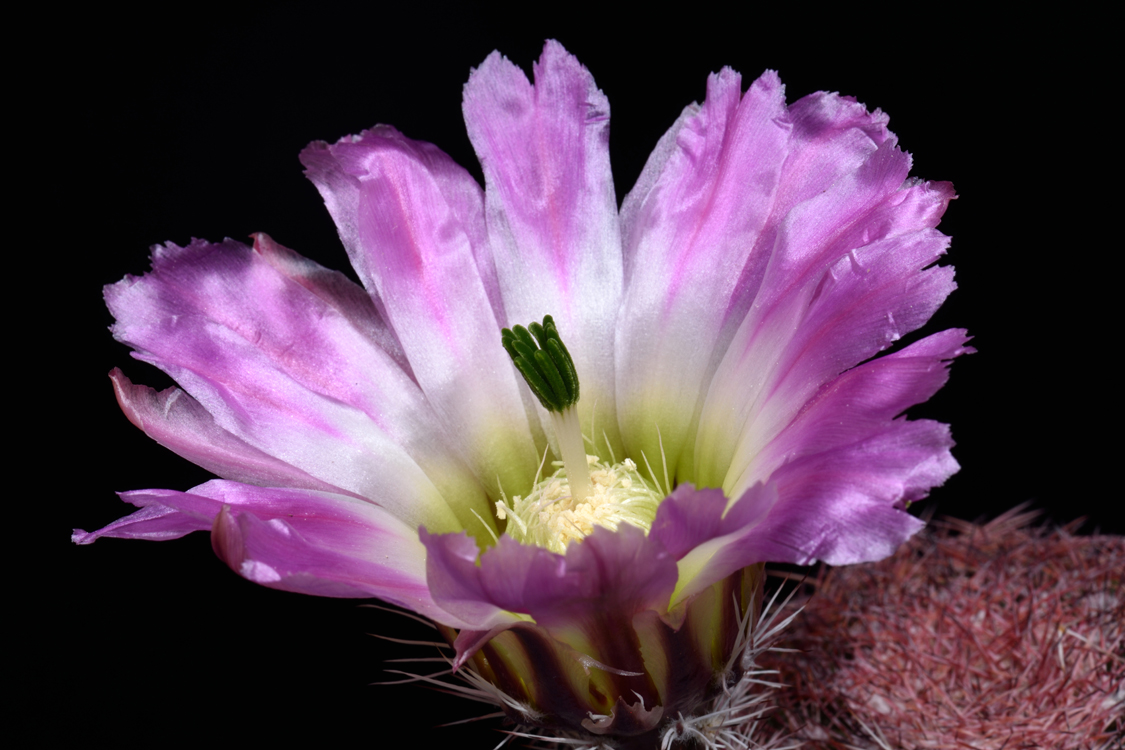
(687, 386)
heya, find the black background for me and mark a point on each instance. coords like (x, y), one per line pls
(188, 123)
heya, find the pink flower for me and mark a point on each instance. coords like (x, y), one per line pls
(372, 442)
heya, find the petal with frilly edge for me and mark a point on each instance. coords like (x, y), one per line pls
(845, 281)
(296, 540)
(711, 200)
(291, 370)
(690, 230)
(863, 303)
(839, 475)
(848, 465)
(552, 211)
(413, 224)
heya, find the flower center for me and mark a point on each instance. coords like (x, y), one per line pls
(583, 492)
(551, 516)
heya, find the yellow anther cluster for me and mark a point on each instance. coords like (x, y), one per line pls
(549, 516)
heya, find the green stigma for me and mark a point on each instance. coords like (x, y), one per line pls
(541, 357)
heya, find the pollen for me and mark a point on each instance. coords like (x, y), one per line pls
(551, 517)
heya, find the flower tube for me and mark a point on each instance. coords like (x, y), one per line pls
(591, 548)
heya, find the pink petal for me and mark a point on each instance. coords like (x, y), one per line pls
(845, 467)
(865, 400)
(338, 291)
(864, 303)
(690, 229)
(297, 372)
(705, 538)
(690, 517)
(154, 521)
(296, 540)
(608, 570)
(454, 581)
(709, 205)
(838, 477)
(178, 422)
(832, 136)
(607, 575)
(413, 222)
(551, 210)
(845, 281)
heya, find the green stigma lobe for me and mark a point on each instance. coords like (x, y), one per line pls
(541, 357)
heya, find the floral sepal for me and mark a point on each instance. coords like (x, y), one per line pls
(599, 653)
